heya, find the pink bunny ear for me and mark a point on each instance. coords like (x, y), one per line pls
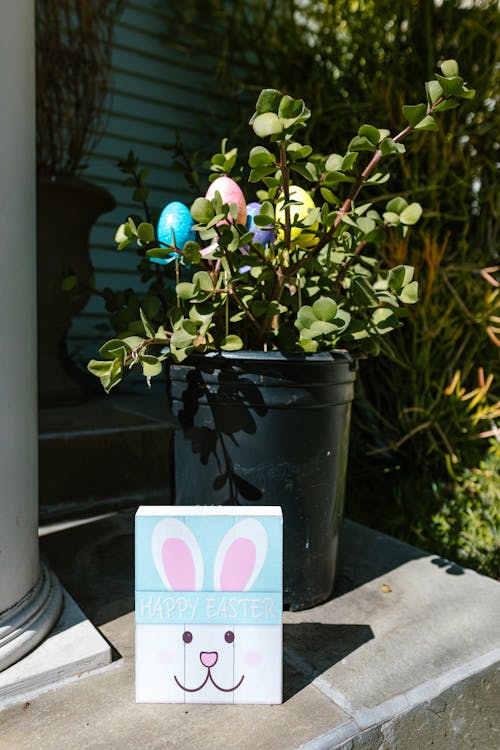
(177, 556)
(240, 556)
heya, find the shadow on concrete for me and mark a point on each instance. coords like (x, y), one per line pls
(449, 567)
(366, 554)
(310, 648)
(94, 561)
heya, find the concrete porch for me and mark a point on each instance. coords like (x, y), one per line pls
(406, 656)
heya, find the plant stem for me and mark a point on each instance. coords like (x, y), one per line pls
(285, 183)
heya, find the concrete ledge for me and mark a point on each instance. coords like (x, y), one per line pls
(71, 649)
(25, 625)
(406, 656)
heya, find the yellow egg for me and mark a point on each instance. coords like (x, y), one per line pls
(230, 192)
(301, 237)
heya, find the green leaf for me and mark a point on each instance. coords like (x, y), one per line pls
(349, 160)
(378, 178)
(184, 290)
(414, 113)
(362, 292)
(159, 252)
(115, 349)
(434, 91)
(181, 338)
(334, 163)
(191, 252)
(409, 294)
(366, 225)
(258, 173)
(308, 345)
(411, 214)
(148, 328)
(467, 93)
(389, 146)
(202, 211)
(290, 108)
(305, 317)
(231, 343)
(333, 178)
(267, 124)
(268, 101)
(400, 276)
(146, 232)
(451, 86)
(69, 282)
(397, 204)
(446, 104)
(202, 280)
(361, 143)
(449, 68)
(384, 320)
(121, 234)
(260, 157)
(151, 366)
(323, 327)
(133, 341)
(342, 319)
(297, 151)
(370, 132)
(190, 326)
(99, 368)
(391, 218)
(307, 170)
(428, 123)
(324, 308)
(328, 195)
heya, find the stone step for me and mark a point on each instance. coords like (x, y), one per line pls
(108, 453)
(405, 656)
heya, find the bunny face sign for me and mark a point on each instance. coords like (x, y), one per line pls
(208, 605)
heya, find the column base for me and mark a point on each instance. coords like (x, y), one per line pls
(25, 625)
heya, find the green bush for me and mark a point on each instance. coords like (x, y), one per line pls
(428, 403)
(467, 524)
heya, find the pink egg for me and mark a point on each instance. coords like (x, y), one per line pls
(230, 192)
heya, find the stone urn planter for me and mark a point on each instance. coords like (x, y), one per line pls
(67, 208)
(257, 428)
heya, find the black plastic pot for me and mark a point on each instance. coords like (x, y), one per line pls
(259, 428)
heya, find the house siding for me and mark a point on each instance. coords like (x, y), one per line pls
(155, 89)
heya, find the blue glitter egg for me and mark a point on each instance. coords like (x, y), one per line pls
(175, 227)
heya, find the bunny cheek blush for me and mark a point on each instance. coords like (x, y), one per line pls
(208, 594)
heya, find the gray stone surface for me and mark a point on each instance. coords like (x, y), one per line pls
(404, 657)
(72, 648)
(464, 717)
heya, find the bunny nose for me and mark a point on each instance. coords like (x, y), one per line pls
(209, 658)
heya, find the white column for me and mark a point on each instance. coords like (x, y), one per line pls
(29, 596)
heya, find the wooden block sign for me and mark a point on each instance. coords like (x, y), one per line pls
(208, 604)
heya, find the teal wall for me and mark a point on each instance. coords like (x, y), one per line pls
(155, 89)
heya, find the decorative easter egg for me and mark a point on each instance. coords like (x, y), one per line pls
(230, 192)
(298, 211)
(175, 227)
(260, 234)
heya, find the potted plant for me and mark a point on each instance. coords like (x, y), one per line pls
(73, 62)
(273, 305)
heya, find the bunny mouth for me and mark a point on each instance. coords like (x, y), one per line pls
(211, 679)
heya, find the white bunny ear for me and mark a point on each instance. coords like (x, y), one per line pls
(177, 555)
(240, 556)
